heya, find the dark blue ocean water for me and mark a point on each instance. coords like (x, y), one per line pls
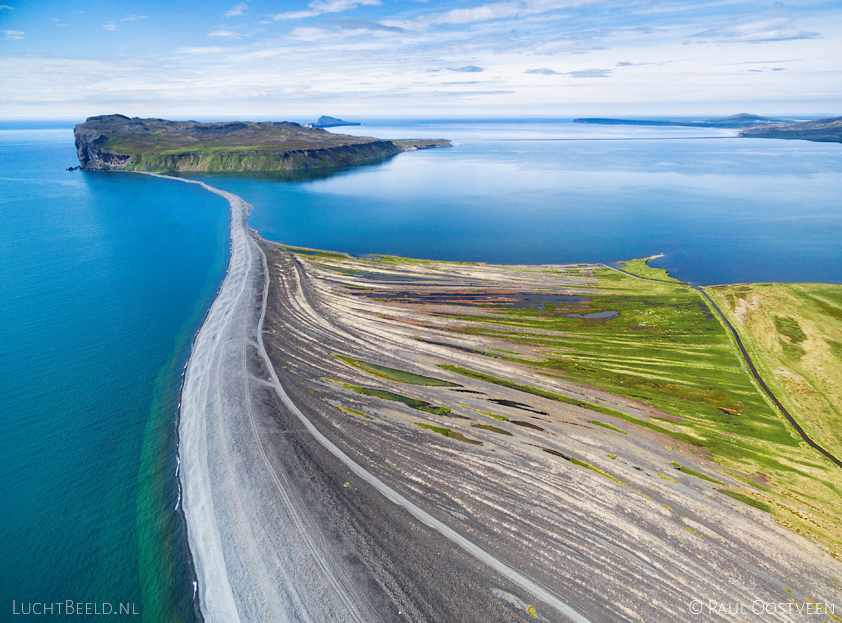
(104, 280)
(722, 209)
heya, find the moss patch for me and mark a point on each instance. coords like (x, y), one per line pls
(493, 429)
(494, 416)
(448, 433)
(608, 426)
(353, 412)
(529, 389)
(746, 499)
(693, 472)
(393, 374)
(386, 395)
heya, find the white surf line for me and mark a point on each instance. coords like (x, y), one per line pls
(423, 516)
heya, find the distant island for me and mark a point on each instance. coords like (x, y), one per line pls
(821, 130)
(117, 142)
(741, 120)
(331, 122)
(752, 126)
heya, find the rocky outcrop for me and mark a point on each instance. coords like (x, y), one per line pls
(117, 142)
(94, 156)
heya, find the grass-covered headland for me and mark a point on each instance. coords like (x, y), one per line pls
(117, 142)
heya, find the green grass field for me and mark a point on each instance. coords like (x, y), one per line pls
(668, 349)
(393, 374)
(793, 333)
(641, 268)
(659, 342)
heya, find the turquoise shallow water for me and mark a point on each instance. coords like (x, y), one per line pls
(723, 209)
(104, 280)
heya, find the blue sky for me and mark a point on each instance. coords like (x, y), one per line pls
(263, 59)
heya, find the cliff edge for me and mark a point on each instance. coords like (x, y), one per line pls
(117, 142)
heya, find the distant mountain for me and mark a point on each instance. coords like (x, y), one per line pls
(741, 120)
(821, 130)
(331, 122)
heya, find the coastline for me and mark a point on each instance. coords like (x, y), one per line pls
(246, 523)
(290, 518)
(235, 314)
(194, 480)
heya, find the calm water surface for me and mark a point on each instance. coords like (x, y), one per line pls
(722, 209)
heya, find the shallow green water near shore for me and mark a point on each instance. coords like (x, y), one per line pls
(104, 281)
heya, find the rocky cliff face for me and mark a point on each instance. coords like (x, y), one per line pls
(90, 147)
(116, 142)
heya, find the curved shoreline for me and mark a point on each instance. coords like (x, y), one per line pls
(194, 480)
(256, 536)
(216, 355)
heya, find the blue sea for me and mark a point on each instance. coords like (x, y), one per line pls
(106, 277)
(722, 209)
(104, 280)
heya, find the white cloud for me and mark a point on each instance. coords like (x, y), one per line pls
(470, 69)
(337, 6)
(237, 10)
(294, 15)
(552, 61)
(112, 25)
(211, 49)
(355, 23)
(12, 34)
(320, 7)
(589, 73)
(311, 34)
(7, 7)
(488, 12)
(225, 34)
(760, 31)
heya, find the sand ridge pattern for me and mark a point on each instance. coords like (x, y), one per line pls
(256, 557)
(325, 481)
(605, 519)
